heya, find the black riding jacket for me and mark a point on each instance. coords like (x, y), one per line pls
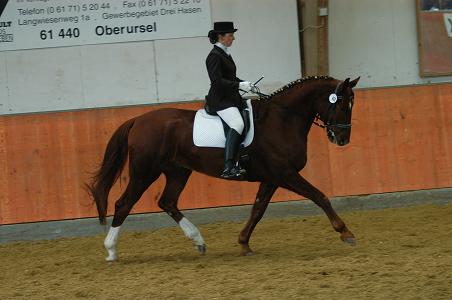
(224, 85)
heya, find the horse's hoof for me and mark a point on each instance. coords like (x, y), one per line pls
(112, 254)
(111, 258)
(246, 250)
(350, 241)
(202, 249)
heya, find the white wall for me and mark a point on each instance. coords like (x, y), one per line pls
(376, 40)
(152, 72)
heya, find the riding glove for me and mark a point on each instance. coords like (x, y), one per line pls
(246, 86)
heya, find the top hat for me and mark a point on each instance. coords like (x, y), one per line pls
(223, 27)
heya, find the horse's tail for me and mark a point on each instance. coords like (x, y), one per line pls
(115, 158)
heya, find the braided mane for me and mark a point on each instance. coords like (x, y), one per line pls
(296, 82)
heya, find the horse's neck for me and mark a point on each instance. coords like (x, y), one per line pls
(299, 102)
(270, 115)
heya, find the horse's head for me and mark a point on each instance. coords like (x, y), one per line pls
(335, 110)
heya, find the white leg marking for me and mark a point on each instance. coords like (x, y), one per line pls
(110, 243)
(191, 231)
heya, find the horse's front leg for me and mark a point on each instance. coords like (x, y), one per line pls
(295, 183)
(263, 197)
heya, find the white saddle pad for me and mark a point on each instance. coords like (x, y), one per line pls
(208, 130)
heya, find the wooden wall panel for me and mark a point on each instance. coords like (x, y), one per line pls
(400, 141)
(435, 44)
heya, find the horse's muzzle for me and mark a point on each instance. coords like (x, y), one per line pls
(342, 141)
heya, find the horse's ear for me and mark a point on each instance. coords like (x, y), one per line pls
(343, 84)
(354, 82)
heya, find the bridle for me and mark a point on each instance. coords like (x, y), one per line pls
(329, 124)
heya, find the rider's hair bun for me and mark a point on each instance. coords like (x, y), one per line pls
(213, 37)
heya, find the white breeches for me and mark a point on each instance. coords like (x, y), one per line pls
(232, 117)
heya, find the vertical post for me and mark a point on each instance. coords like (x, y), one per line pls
(322, 21)
(300, 10)
(309, 36)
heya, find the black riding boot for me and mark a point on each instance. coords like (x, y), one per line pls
(233, 139)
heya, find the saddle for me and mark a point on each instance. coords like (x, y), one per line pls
(244, 112)
(210, 131)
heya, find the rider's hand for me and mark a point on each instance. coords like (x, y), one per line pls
(246, 86)
(254, 89)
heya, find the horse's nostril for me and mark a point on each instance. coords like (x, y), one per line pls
(343, 142)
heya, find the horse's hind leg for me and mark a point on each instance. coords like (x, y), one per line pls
(176, 179)
(138, 184)
(263, 197)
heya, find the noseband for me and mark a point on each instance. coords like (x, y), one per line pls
(329, 124)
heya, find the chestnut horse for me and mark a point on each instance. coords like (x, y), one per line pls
(161, 141)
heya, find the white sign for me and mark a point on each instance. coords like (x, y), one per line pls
(27, 24)
(448, 23)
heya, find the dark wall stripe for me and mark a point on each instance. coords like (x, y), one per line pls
(2, 6)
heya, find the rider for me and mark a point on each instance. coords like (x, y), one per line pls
(224, 97)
